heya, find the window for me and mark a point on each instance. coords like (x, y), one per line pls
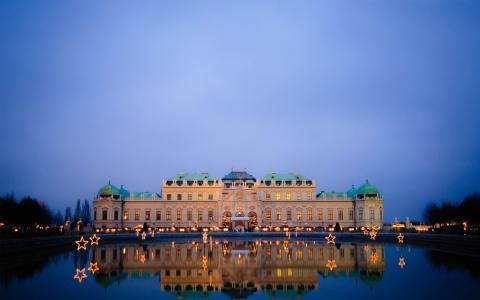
(125, 215)
(299, 214)
(147, 215)
(320, 214)
(278, 212)
(350, 214)
(330, 214)
(189, 214)
(200, 215)
(277, 196)
(210, 215)
(289, 214)
(299, 196)
(210, 196)
(360, 213)
(372, 213)
(381, 213)
(309, 214)
(200, 197)
(189, 196)
(95, 214)
(137, 214)
(169, 215)
(309, 196)
(169, 196)
(340, 214)
(268, 214)
(159, 215)
(179, 214)
(179, 196)
(115, 215)
(104, 214)
(267, 196)
(289, 196)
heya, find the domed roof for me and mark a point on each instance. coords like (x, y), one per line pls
(367, 189)
(110, 190)
(351, 192)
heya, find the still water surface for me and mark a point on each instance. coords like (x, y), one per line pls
(254, 269)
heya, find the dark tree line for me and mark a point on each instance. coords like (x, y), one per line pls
(450, 213)
(27, 213)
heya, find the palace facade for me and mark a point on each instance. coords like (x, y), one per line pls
(238, 202)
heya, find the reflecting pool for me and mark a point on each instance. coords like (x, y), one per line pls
(235, 268)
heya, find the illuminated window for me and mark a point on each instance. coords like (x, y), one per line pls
(278, 212)
(289, 196)
(279, 272)
(159, 214)
(320, 214)
(169, 196)
(340, 214)
(168, 216)
(125, 215)
(189, 196)
(289, 272)
(299, 196)
(210, 196)
(210, 215)
(200, 215)
(200, 197)
(279, 253)
(299, 214)
(350, 214)
(330, 214)
(268, 214)
(372, 213)
(178, 253)
(179, 214)
(299, 253)
(310, 253)
(289, 214)
(189, 214)
(309, 214)
(269, 252)
(137, 214)
(277, 196)
(267, 196)
(147, 215)
(179, 196)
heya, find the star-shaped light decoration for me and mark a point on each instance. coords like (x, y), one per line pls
(205, 237)
(330, 239)
(144, 236)
(331, 264)
(80, 275)
(401, 262)
(142, 258)
(373, 234)
(94, 240)
(400, 238)
(204, 262)
(81, 244)
(93, 268)
(374, 257)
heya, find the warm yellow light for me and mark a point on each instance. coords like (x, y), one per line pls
(93, 268)
(80, 275)
(81, 244)
(94, 239)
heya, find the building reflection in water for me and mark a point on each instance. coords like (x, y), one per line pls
(239, 268)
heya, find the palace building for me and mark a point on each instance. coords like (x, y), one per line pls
(238, 202)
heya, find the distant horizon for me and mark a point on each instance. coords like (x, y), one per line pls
(339, 91)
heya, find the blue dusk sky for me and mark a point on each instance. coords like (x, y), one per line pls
(340, 91)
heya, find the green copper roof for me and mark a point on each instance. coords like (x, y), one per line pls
(367, 188)
(284, 177)
(351, 192)
(143, 195)
(238, 175)
(192, 177)
(109, 190)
